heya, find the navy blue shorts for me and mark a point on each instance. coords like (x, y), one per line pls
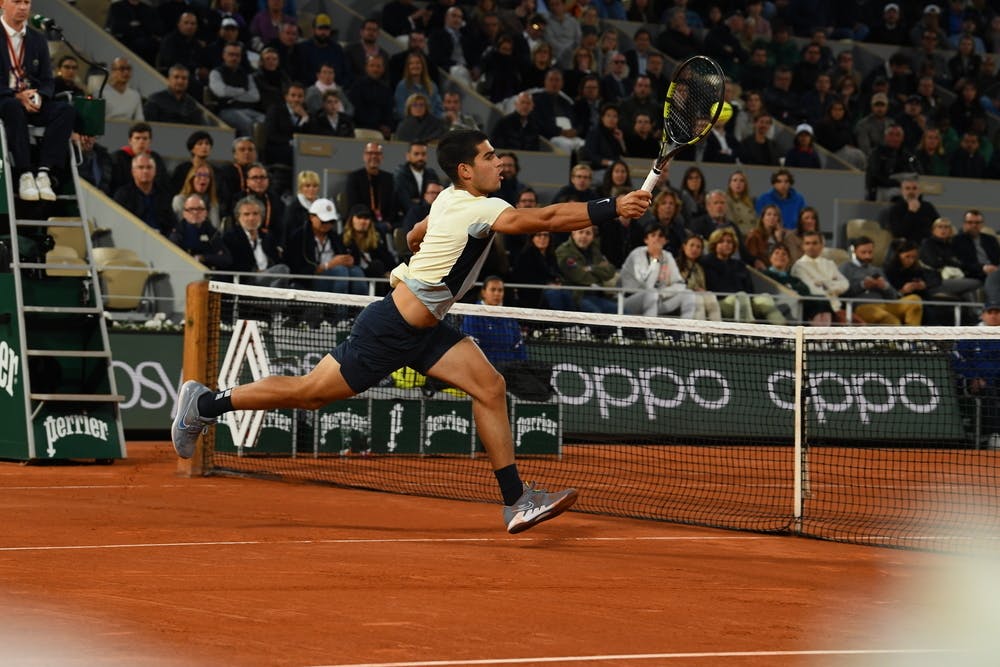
(381, 341)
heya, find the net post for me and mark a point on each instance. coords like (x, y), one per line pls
(797, 432)
(196, 357)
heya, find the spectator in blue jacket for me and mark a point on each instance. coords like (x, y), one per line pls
(498, 337)
(784, 196)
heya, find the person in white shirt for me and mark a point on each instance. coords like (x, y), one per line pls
(120, 101)
(820, 274)
(651, 274)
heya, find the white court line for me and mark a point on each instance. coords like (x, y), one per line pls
(393, 540)
(55, 487)
(645, 656)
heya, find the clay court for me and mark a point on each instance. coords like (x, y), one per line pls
(129, 564)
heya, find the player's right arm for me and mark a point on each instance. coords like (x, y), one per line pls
(565, 217)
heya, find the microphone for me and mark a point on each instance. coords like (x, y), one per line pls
(40, 22)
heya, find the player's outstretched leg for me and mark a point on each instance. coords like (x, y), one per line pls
(188, 423)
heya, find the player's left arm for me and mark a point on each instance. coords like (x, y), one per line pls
(566, 217)
(416, 235)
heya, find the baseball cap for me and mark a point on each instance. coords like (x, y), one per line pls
(361, 211)
(932, 9)
(230, 22)
(324, 210)
(914, 99)
(322, 20)
(890, 7)
(804, 127)
(880, 97)
(991, 305)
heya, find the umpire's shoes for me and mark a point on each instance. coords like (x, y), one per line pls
(535, 506)
(188, 424)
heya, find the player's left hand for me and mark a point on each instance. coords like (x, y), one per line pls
(633, 205)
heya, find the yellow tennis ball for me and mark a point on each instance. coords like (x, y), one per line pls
(725, 114)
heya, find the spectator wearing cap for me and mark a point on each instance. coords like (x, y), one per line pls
(784, 196)
(930, 19)
(316, 250)
(254, 251)
(803, 151)
(174, 104)
(890, 30)
(913, 121)
(722, 42)
(321, 49)
(885, 165)
(362, 241)
(229, 32)
(870, 130)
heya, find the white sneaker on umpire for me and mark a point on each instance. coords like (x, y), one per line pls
(535, 506)
(44, 186)
(27, 190)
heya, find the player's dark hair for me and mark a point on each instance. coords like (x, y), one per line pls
(457, 147)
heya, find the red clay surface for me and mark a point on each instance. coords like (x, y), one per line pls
(129, 564)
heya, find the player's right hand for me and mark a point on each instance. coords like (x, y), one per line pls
(633, 205)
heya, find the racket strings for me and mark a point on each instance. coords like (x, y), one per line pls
(698, 86)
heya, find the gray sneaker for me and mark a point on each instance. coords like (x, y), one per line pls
(535, 506)
(188, 424)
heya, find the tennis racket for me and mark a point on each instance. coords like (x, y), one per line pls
(693, 104)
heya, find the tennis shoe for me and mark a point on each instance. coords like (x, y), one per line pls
(44, 185)
(188, 424)
(535, 506)
(27, 189)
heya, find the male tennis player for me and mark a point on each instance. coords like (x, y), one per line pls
(405, 328)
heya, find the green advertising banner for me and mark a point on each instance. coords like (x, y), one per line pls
(148, 369)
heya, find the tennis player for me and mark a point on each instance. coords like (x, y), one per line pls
(405, 328)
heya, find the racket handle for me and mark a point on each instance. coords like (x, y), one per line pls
(651, 179)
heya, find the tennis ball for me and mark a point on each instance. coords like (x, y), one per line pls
(725, 114)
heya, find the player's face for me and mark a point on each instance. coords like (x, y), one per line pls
(486, 169)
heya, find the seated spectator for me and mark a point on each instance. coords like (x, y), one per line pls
(284, 44)
(326, 82)
(330, 119)
(817, 101)
(756, 73)
(913, 121)
(258, 185)
(937, 252)
(910, 216)
(140, 140)
(233, 176)
(200, 181)
(196, 236)
(835, 133)
(617, 180)
(808, 222)
(455, 47)
(820, 274)
(518, 130)
(199, 145)
(579, 189)
(236, 92)
(252, 251)
(228, 32)
(726, 275)
(173, 104)
(554, 113)
(976, 362)
(641, 101)
(723, 44)
(498, 337)
(266, 23)
(373, 186)
(869, 282)
(652, 281)
(641, 142)
(121, 101)
(740, 203)
(317, 251)
(715, 219)
(408, 178)
(967, 161)
(964, 66)
(136, 25)
(582, 264)
(615, 84)
(759, 148)
(885, 164)
(95, 165)
(978, 252)
(803, 151)
(501, 75)
(582, 66)
(282, 122)
(270, 78)
(816, 312)
(870, 130)
(418, 124)
(536, 264)
(144, 197)
(744, 121)
(779, 98)
(65, 79)
(429, 192)
(666, 212)
(784, 196)
(322, 49)
(619, 237)
(768, 233)
(930, 156)
(416, 79)
(693, 194)
(706, 305)
(362, 241)
(360, 53)
(181, 46)
(680, 40)
(297, 211)
(605, 143)
(907, 275)
(453, 116)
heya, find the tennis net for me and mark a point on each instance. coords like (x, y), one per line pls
(871, 435)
